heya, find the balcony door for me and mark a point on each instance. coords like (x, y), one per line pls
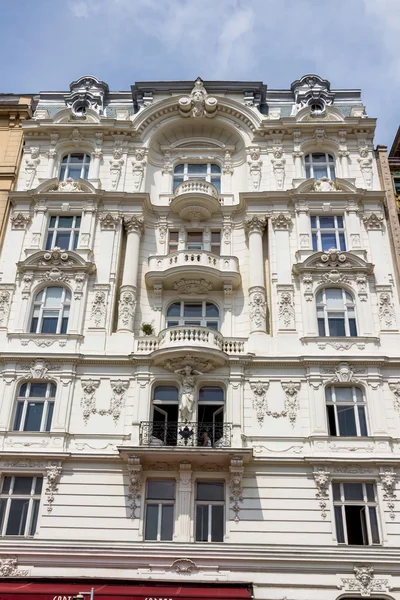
(164, 423)
(210, 413)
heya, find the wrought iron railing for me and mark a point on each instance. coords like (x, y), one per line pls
(190, 434)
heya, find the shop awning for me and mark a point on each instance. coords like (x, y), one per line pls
(13, 590)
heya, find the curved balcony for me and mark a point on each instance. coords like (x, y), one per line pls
(195, 200)
(200, 264)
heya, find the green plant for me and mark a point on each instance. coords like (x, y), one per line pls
(147, 328)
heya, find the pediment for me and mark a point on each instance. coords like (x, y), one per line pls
(325, 185)
(66, 187)
(333, 259)
(56, 259)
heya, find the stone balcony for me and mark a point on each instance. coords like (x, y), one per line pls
(157, 434)
(199, 264)
(195, 200)
(179, 340)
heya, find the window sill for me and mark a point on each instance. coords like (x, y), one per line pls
(341, 343)
(45, 340)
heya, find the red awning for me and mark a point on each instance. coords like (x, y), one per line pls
(66, 591)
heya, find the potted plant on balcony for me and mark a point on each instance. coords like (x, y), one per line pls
(147, 328)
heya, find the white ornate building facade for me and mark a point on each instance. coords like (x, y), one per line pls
(200, 348)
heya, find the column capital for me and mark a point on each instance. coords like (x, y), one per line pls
(283, 221)
(255, 223)
(133, 223)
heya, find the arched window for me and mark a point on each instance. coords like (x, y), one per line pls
(346, 411)
(320, 164)
(336, 313)
(210, 415)
(74, 166)
(203, 314)
(35, 405)
(205, 172)
(51, 311)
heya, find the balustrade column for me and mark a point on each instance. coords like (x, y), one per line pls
(257, 296)
(128, 289)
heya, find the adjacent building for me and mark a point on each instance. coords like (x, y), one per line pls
(199, 328)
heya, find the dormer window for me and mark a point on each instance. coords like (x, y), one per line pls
(205, 172)
(74, 166)
(320, 164)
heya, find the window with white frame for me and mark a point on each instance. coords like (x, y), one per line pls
(75, 166)
(63, 232)
(19, 505)
(320, 164)
(51, 311)
(160, 502)
(203, 314)
(35, 406)
(346, 411)
(327, 233)
(206, 172)
(336, 313)
(173, 241)
(356, 519)
(210, 508)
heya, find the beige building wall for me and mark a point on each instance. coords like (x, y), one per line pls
(14, 110)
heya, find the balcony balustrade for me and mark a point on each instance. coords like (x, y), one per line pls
(188, 435)
(196, 186)
(198, 337)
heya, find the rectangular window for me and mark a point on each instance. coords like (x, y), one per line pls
(194, 240)
(210, 506)
(19, 505)
(35, 404)
(63, 232)
(327, 232)
(355, 508)
(160, 501)
(173, 241)
(346, 411)
(216, 242)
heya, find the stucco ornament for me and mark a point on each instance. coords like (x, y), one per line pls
(364, 582)
(116, 164)
(236, 470)
(282, 221)
(395, 387)
(291, 390)
(69, 185)
(5, 299)
(322, 481)
(138, 167)
(8, 567)
(324, 185)
(39, 369)
(126, 309)
(199, 103)
(387, 314)
(184, 566)
(365, 162)
(278, 166)
(187, 395)
(119, 388)
(53, 474)
(31, 164)
(98, 312)
(192, 287)
(88, 401)
(108, 221)
(135, 483)
(286, 311)
(255, 164)
(19, 220)
(259, 390)
(388, 481)
(258, 307)
(373, 221)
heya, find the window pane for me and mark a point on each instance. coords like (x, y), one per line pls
(308, 171)
(179, 169)
(64, 325)
(177, 181)
(23, 485)
(62, 240)
(211, 394)
(320, 172)
(65, 222)
(167, 522)
(211, 310)
(49, 418)
(52, 223)
(39, 485)
(318, 157)
(34, 517)
(217, 523)
(353, 491)
(353, 327)
(328, 240)
(210, 490)
(49, 240)
(327, 222)
(321, 327)
(215, 169)
(343, 394)
(313, 222)
(355, 525)
(174, 310)
(3, 504)
(49, 325)
(197, 169)
(38, 390)
(18, 415)
(346, 420)
(34, 324)
(62, 173)
(202, 523)
(217, 182)
(53, 297)
(161, 490)
(166, 392)
(336, 327)
(339, 525)
(314, 242)
(215, 237)
(151, 522)
(336, 491)
(33, 417)
(192, 310)
(374, 525)
(334, 298)
(363, 421)
(6, 484)
(74, 172)
(194, 236)
(331, 420)
(17, 517)
(339, 221)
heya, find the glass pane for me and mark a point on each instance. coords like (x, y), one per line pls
(17, 517)
(23, 485)
(77, 222)
(334, 298)
(179, 169)
(161, 490)
(374, 525)
(343, 394)
(342, 241)
(202, 523)
(211, 394)
(167, 522)
(49, 418)
(194, 236)
(217, 523)
(327, 222)
(64, 325)
(172, 323)
(336, 491)
(174, 310)
(3, 503)
(320, 172)
(76, 158)
(39, 485)
(37, 390)
(215, 237)
(318, 157)
(210, 490)
(192, 310)
(353, 327)
(331, 420)
(328, 240)
(359, 395)
(34, 324)
(49, 325)
(363, 421)
(22, 390)
(321, 327)
(336, 326)
(346, 420)
(339, 221)
(313, 222)
(74, 172)
(333, 174)
(18, 415)
(308, 171)
(370, 492)
(49, 241)
(62, 173)
(339, 525)
(33, 417)
(85, 173)
(75, 240)
(34, 517)
(166, 392)
(215, 169)
(211, 310)
(216, 181)
(65, 222)
(314, 242)
(52, 223)
(53, 297)
(62, 240)
(353, 491)
(151, 522)
(197, 169)
(6, 484)
(212, 325)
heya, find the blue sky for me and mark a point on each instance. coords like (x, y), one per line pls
(353, 43)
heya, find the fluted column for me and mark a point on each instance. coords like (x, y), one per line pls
(127, 295)
(257, 297)
(184, 521)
